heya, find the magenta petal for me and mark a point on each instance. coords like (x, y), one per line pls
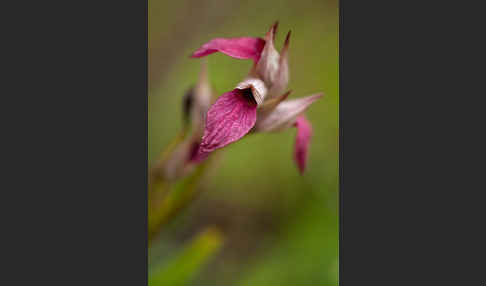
(304, 134)
(240, 48)
(227, 120)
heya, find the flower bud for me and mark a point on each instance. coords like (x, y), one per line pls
(187, 102)
(202, 100)
(196, 103)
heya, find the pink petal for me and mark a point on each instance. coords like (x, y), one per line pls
(240, 48)
(304, 134)
(227, 120)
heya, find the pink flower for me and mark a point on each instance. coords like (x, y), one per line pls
(257, 103)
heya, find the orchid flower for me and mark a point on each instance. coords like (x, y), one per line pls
(256, 104)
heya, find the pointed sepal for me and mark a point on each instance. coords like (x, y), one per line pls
(284, 114)
(281, 79)
(267, 66)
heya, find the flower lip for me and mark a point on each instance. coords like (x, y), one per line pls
(248, 95)
(228, 120)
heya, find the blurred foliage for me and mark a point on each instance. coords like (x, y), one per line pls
(166, 199)
(186, 264)
(280, 228)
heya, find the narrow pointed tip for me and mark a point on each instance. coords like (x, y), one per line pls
(300, 158)
(308, 100)
(284, 96)
(313, 97)
(272, 32)
(286, 45)
(275, 28)
(316, 95)
(287, 38)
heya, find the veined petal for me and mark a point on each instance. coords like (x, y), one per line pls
(228, 119)
(284, 115)
(240, 48)
(302, 140)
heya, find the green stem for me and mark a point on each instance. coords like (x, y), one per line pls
(176, 196)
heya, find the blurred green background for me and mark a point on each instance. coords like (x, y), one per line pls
(280, 228)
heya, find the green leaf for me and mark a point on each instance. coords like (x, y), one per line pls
(190, 261)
